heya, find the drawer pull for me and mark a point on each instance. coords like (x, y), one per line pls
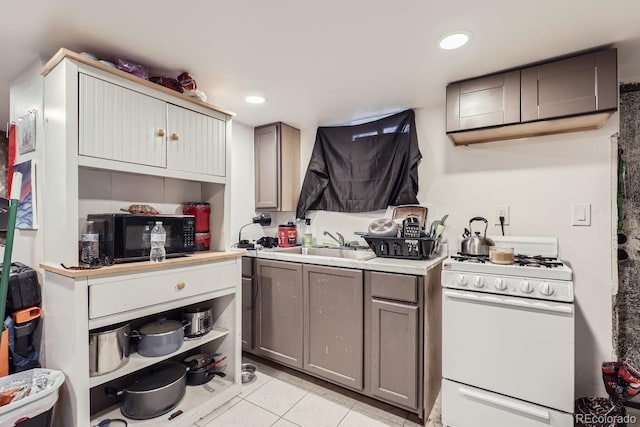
(160, 132)
(175, 136)
(180, 286)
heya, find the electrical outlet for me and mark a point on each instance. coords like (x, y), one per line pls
(501, 210)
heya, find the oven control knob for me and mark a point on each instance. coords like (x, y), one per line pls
(500, 284)
(545, 289)
(462, 280)
(478, 282)
(526, 287)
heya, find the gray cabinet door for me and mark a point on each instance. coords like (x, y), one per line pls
(333, 324)
(267, 166)
(486, 101)
(279, 311)
(247, 313)
(394, 352)
(578, 85)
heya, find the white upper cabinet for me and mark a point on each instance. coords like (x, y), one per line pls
(121, 128)
(196, 142)
(116, 123)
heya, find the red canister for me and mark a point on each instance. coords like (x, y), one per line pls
(287, 235)
(201, 211)
(202, 241)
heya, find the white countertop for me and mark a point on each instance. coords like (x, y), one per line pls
(389, 265)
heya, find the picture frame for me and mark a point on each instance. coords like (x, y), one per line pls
(26, 134)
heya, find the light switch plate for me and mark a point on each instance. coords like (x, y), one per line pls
(581, 214)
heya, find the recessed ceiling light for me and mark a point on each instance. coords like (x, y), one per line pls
(454, 40)
(255, 99)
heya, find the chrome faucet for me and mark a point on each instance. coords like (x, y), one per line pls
(339, 240)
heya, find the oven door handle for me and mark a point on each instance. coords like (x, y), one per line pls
(511, 302)
(516, 406)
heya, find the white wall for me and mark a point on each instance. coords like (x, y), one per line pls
(26, 94)
(539, 178)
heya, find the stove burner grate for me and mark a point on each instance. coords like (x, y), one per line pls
(521, 260)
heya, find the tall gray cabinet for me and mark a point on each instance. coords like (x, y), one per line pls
(277, 167)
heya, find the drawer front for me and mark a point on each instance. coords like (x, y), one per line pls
(108, 296)
(398, 287)
(247, 266)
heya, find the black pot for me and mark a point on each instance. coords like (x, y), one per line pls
(155, 392)
(202, 375)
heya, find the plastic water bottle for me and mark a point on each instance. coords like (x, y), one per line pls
(158, 238)
(90, 243)
(146, 237)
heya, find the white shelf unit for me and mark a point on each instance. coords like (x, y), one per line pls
(74, 183)
(137, 362)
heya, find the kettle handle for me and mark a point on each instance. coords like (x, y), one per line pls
(479, 218)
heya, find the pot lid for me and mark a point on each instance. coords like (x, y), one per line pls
(197, 309)
(160, 327)
(159, 376)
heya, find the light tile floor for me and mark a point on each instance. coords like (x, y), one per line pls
(282, 397)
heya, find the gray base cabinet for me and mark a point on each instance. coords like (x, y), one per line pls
(394, 352)
(373, 332)
(393, 338)
(333, 324)
(279, 311)
(248, 297)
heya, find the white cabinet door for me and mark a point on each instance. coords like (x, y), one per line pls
(195, 142)
(120, 124)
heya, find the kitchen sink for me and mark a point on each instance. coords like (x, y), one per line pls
(360, 254)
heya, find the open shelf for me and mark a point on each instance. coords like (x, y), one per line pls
(137, 362)
(197, 402)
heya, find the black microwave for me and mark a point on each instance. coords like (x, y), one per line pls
(125, 237)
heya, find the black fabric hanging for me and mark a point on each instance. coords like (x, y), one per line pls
(363, 168)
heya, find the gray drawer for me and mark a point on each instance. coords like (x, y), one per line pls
(400, 287)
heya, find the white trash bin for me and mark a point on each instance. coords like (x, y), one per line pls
(39, 388)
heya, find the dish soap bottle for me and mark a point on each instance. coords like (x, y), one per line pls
(307, 240)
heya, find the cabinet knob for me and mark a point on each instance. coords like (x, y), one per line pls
(180, 286)
(160, 132)
(175, 136)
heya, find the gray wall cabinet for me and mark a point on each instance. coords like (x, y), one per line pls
(566, 95)
(279, 311)
(486, 101)
(277, 167)
(333, 324)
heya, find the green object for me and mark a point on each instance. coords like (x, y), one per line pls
(307, 238)
(8, 247)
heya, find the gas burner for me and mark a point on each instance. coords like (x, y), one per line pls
(537, 261)
(471, 258)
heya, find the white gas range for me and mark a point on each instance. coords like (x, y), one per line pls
(508, 338)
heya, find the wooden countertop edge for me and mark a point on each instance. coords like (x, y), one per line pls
(133, 267)
(66, 53)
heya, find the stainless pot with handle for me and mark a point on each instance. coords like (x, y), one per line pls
(108, 349)
(476, 244)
